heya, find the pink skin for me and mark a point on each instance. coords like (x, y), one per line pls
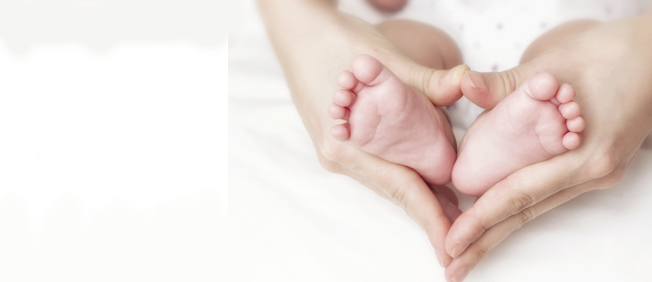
(387, 118)
(536, 122)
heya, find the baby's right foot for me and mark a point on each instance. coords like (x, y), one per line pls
(389, 119)
(536, 122)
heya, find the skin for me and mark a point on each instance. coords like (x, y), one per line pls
(609, 65)
(535, 123)
(388, 5)
(381, 111)
(314, 42)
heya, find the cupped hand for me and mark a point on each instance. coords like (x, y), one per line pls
(610, 67)
(314, 43)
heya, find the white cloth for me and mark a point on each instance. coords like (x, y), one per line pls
(293, 221)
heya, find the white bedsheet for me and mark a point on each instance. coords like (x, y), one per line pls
(293, 221)
(110, 140)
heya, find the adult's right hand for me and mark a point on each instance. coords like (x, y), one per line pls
(314, 43)
(610, 68)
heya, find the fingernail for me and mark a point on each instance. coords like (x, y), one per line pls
(451, 76)
(454, 252)
(452, 211)
(455, 73)
(477, 81)
(439, 259)
(460, 275)
(457, 251)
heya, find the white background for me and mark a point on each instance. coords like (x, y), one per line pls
(113, 140)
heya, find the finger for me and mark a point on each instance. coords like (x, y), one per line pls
(442, 87)
(487, 89)
(449, 206)
(444, 196)
(335, 167)
(516, 192)
(447, 192)
(405, 188)
(462, 265)
(414, 196)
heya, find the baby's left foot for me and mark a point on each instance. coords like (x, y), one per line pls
(536, 122)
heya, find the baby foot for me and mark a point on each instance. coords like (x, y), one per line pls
(387, 118)
(536, 122)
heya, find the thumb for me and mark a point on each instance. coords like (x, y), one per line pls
(442, 87)
(488, 88)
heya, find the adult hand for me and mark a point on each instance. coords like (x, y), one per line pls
(314, 43)
(610, 67)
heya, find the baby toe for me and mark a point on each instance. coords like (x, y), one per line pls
(541, 87)
(576, 124)
(565, 94)
(347, 80)
(571, 140)
(366, 68)
(337, 112)
(340, 132)
(570, 110)
(343, 98)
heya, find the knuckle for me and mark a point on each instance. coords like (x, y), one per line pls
(523, 217)
(399, 197)
(482, 249)
(521, 201)
(619, 171)
(602, 165)
(480, 221)
(400, 192)
(331, 150)
(510, 80)
(426, 80)
(328, 165)
(329, 155)
(612, 178)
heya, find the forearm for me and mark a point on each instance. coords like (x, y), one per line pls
(311, 47)
(643, 35)
(639, 57)
(314, 42)
(299, 28)
(314, 35)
